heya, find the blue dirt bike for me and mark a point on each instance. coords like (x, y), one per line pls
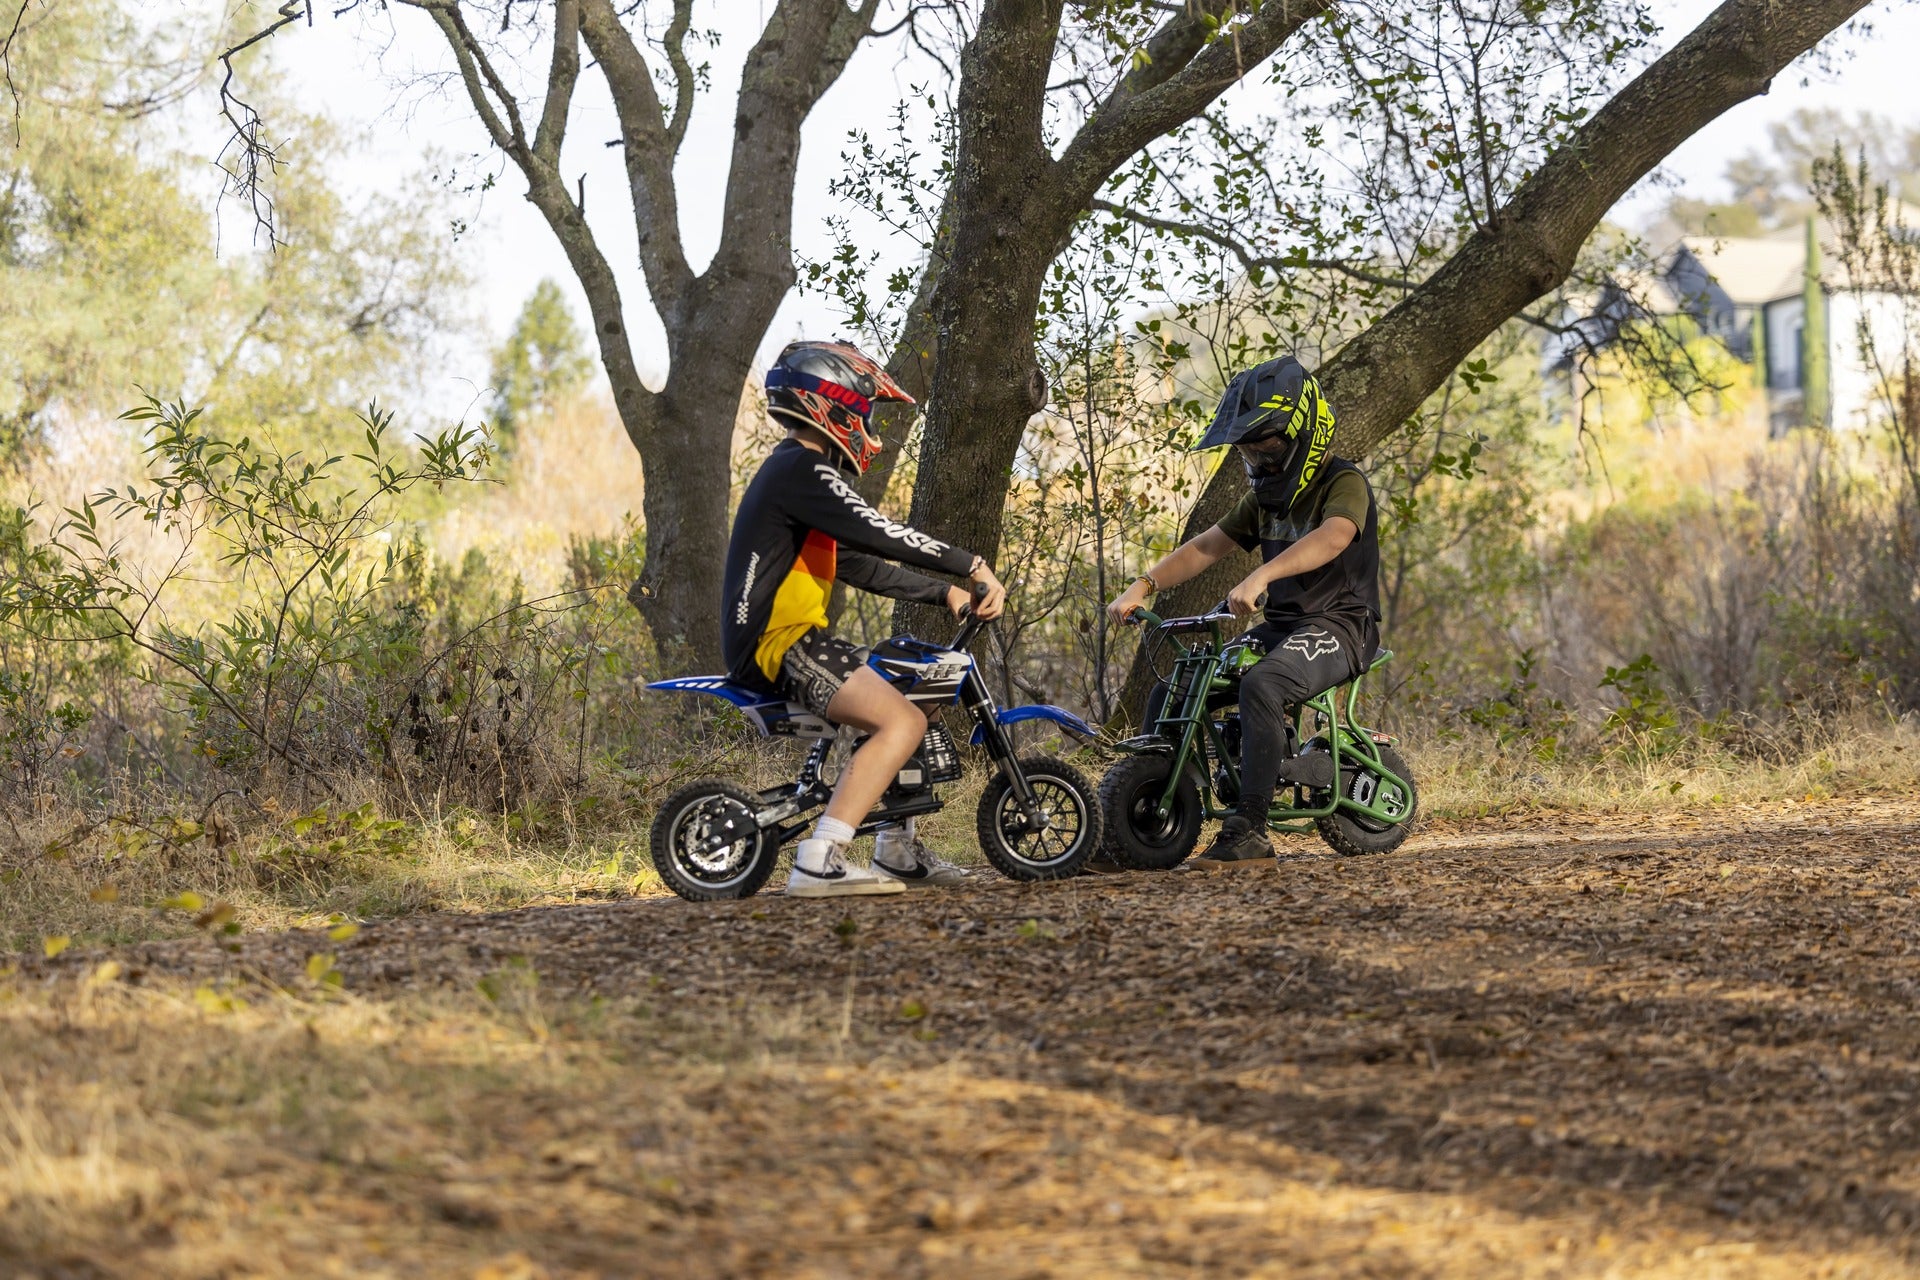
(1038, 819)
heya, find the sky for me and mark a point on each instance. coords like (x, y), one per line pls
(387, 74)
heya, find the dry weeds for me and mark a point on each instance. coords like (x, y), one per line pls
(1672, 1045)
(111, 887)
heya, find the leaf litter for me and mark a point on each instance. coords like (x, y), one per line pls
(1536, 1046)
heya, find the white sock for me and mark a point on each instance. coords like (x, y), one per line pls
(895, 838)
(833, 829)
(811, 855)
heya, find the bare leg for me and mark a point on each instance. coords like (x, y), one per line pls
(868, 702)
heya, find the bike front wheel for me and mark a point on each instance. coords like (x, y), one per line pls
(706, 845)
(1140, 835)
(1056, 847)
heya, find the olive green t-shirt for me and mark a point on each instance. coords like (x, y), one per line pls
(1344, 494)
(1343, 593)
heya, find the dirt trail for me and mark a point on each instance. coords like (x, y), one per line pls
(1529, 1047)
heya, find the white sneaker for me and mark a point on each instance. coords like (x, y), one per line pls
(836, 877)
(924, 869)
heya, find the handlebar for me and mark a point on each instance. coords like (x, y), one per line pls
(970, 624)
(1218, 613)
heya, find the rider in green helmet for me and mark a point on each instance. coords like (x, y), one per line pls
(1314, 520)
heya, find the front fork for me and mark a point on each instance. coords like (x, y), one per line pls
(978, 700)
(1193, 721)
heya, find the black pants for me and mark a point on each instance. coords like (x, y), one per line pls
(1306, 659)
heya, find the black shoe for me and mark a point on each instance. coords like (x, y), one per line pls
(1314, 771)
(1239, 844)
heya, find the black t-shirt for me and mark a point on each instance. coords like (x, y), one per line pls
(1344, 591)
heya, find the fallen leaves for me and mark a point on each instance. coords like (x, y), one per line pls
(1489, 1054)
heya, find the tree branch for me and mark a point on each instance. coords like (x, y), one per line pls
(244, 172)
(562, 75)
(6, 66)
(675, 44)
(547, 190)
(1529, 246)
(479, 77)
(800, 53)
(1249, 259)
(1182, 74)
(649, 157)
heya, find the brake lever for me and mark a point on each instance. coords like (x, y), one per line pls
(1225, 608)
(970, 624)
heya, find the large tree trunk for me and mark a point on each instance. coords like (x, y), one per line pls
(986, 383)
(688, 468)
(714, 320)
(1011, 211)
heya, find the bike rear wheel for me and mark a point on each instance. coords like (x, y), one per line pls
(1355, 833)
(1021, 851)
(684, 848)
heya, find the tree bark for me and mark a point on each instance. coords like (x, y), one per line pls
(715, 319)
(1380, 378)
(1012, 209)
(986, 384)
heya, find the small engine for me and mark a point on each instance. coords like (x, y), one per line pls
(912, 778)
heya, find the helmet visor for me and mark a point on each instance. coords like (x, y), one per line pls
(1268, 455)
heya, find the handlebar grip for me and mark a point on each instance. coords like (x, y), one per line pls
(1225, 605)
(977, 592)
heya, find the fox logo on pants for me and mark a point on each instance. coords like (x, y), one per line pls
(1313, 642)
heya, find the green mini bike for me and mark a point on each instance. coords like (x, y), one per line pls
(1186, 768)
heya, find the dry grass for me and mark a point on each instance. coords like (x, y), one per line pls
(1474, 777)
(1612, 1048)
(112, 886)
(435, 1137)
(281, 870)
(574, 473)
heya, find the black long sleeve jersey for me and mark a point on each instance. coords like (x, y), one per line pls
(800, 527)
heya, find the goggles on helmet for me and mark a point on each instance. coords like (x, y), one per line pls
(832, 387)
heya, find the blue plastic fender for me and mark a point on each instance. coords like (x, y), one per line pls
(1059, 715)
(718, 686)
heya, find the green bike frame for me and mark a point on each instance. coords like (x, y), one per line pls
(1187, 729)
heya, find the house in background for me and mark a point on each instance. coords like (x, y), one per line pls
(1784, 304)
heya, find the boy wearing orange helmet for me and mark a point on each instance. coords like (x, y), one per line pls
(801, 527)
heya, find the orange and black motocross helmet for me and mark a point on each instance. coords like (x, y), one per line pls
(833, 386)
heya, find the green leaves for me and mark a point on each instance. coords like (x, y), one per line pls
(1645, 710)
(306, 543)
(1475, 374)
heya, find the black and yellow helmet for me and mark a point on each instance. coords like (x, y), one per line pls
(1276, 401)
